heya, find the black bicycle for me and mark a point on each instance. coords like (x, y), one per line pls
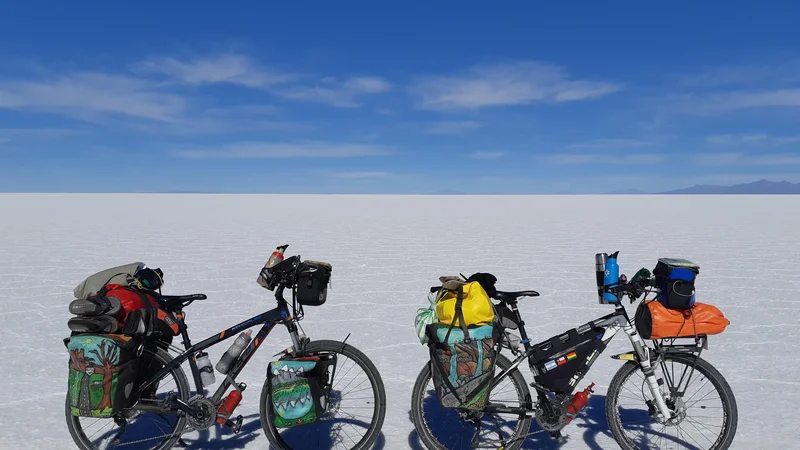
(166, 409)
(649, 403)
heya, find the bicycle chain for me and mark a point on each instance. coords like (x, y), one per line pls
(185, 430)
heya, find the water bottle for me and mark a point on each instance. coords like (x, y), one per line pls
(264, 278)
(600, 273)
(611, 277)
(205, 368)
(233, 352)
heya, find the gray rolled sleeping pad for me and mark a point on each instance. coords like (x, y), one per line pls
(116, 275)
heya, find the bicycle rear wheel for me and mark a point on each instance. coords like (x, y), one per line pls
(444, 429)
(355, 414)
(706, 409)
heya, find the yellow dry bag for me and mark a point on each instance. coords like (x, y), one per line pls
(475, 306)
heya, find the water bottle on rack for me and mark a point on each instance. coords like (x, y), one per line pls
(205, 368)
(236, 349)
(264, 277)
(611, 277)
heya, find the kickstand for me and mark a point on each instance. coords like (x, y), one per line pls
(559, 437)
(122, 425)
(181, 443)
(474, 441)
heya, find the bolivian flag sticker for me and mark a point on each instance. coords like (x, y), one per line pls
(571, 356)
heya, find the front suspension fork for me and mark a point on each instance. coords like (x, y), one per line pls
(650, 378)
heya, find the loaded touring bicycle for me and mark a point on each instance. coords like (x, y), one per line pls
(664, 396)
(321, 394)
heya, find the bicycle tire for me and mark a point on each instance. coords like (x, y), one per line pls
(704, 367)
(362, 361)
(184, 391)
(426, 435)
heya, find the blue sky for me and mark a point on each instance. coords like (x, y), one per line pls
(408, 97)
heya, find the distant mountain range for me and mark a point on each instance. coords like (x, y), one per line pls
(762, 187)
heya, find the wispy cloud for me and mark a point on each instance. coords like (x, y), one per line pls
(516, 83)
(265, 150)
(453, 127)
(786, 71)
(751, 139)
(360, 175)
(613, 143)
(720, 103)
(224, 68)
(486, 155)
(743, 159)
(581, 159)
(91, 95)
(334, 92)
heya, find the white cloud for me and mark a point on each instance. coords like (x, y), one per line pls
(224, 68)
(485, 155)
(265, 150)
(367, 85)
(360, 175)
(742, 159)
(90, 95)
(331, 91)
(516, 83)
(785, 71)
(745, 139)
(581, 159)
(453, 127)
(720, 103)
(613, 143)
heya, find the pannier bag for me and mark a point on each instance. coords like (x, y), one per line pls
(655, 321)
(562, 361)
(102, 373)
(297, 391)
(675, 279)
(312, 283)
(462, 369)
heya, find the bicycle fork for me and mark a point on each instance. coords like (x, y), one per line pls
(643, 352)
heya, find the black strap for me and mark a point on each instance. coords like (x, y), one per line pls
(459, 315)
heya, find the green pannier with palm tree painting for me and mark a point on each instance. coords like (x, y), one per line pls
(102, 373)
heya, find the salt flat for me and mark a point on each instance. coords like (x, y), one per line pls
(386, 251)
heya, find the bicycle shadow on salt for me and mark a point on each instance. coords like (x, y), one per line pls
(222, 438)
(590, 425)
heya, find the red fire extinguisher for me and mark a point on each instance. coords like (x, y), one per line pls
(578, 402)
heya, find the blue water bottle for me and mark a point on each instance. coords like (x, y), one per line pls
(611, 277)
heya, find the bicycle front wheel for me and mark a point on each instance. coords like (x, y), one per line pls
(703, 406)
(357, 405)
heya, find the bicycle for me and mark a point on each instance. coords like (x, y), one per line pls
(183, 412)
(665, 400)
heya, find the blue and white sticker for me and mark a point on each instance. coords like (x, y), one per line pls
(550, 365)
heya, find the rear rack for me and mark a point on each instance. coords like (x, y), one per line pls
(692, 344)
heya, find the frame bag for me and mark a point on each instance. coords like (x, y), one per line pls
(562, 361)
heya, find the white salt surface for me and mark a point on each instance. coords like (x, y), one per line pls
(386, 251)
